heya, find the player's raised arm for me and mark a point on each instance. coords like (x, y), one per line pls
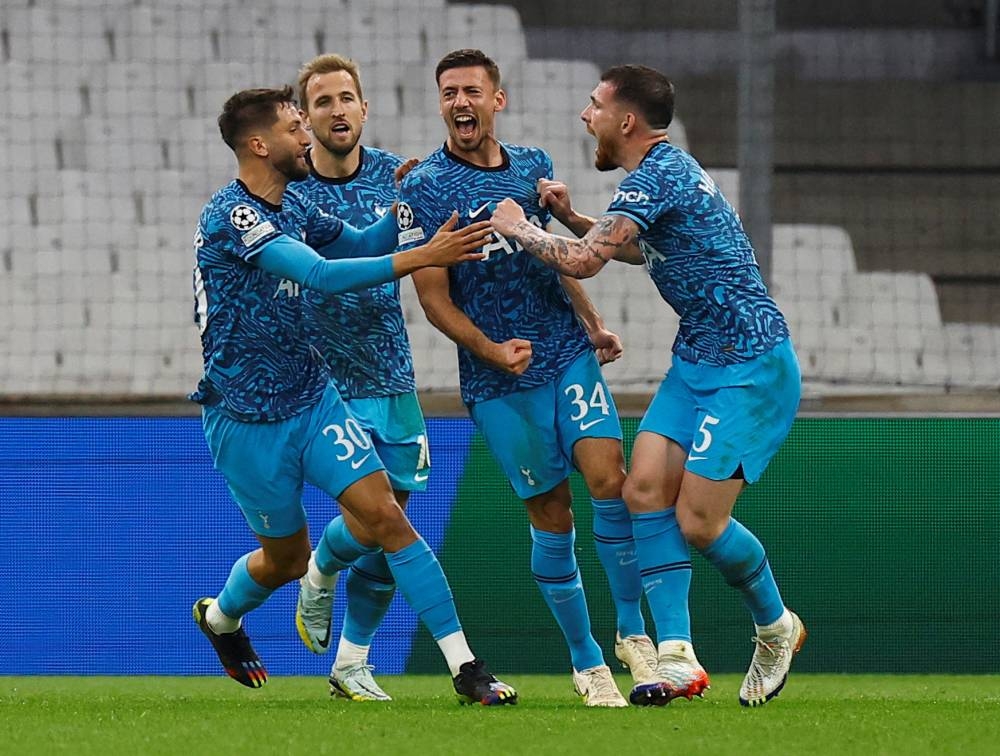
(290, 258)
(580, 258)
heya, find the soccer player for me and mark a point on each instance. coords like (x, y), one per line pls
(362, 335)
(729, 399)
(527, 368)
(272, 418)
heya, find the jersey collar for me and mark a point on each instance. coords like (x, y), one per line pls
(336, 179)
(261, 200)
(504, 160)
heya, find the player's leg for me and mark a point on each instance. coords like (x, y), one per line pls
(397, 428)
(665, 563)
(520, 431)
(340, 450)
(590, 431)
(340, 460)
(743, 423)
(261, 466)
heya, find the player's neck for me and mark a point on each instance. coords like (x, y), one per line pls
(264, 182)
(634, 153)
(487, 155)
(330, 165)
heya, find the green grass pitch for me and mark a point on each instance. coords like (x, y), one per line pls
(877, 714)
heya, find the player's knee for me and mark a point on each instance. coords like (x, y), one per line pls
(388, 525)
(552, 518)
(698, 529)
(286, 568)
(606, 483)
(640, 495)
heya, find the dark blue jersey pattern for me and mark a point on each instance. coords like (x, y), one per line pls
(700, 259)
(510, 294)
(362, 335)
(259, 366)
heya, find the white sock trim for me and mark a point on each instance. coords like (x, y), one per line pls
(219, 622)
(456, 651)
(316, 578)
(350, 654)
(781, 627)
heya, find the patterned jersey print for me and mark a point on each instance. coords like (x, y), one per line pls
(362, 335)
(510, 294)
(259, 366)
(700, 259)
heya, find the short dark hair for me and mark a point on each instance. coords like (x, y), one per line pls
(468, 57)
(646, 89)
(251, 109)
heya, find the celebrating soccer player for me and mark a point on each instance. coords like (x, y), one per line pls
(362, 335)
(272, 418)
(527, 367)
(728, 401)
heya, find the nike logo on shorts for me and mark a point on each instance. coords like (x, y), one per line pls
(358, 462)
(592, 423)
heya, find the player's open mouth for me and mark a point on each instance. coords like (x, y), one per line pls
(465, 125)
(341, 128)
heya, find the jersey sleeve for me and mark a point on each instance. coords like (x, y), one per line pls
(419, 214)
(644, 196)
(239, 227)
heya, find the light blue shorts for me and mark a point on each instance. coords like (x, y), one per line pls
(531, 433)
(731, 420)
(265, 464)
(396, 426)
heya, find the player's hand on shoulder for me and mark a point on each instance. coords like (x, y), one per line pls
(505, 216)
(607, 346)
(450, 246)
(513, 356)
(403, 169)
(555, 196)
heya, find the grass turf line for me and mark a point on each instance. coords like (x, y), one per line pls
(197, 715)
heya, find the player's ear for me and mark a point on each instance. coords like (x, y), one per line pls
(499, 101)
(305, 119)
(258, 146)
(364, 111)
(628, 123)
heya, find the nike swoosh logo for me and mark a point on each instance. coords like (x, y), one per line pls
(584, 426)
(474, 213)
(358, 462)
(421, 477)
(695, 459)
(627, 562)
(325, 643)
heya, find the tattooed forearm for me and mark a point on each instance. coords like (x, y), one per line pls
(579, 258)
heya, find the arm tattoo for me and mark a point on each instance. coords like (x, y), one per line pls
(579, 258)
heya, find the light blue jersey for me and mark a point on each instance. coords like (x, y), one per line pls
(700, 259)
(510, 294)
(259, 367)
(362, 335)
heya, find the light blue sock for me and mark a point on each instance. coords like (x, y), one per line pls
(370, 589)
(241, 592)
(616, 550)
(554, 567)
(421, 580)
(740, 557)
(665, 566)
(338, 549)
